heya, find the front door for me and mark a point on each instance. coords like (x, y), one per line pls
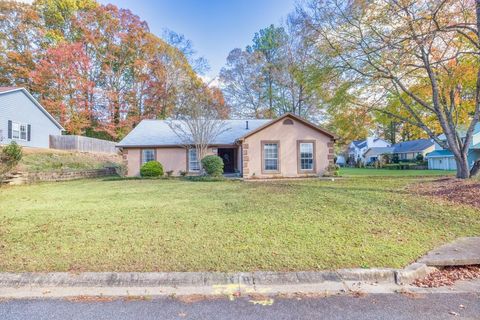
(228, 157)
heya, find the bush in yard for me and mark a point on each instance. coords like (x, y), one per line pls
(213, 165)
(151, 169)
(332, 170)
(419, 157)
(10, 156)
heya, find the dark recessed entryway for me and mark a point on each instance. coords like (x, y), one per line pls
(228, 157)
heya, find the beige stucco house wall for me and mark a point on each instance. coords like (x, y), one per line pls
(288, 134)
(172, 158)
(288, 131)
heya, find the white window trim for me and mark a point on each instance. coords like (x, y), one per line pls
(191, 161)
(20, 125)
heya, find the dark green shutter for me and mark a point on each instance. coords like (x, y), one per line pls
(9, 129)
(29, 130)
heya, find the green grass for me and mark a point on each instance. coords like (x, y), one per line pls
(41, 160)
(178, 225)
(355, 172)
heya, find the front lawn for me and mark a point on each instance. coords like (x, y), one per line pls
(174, 225)
(355, 172)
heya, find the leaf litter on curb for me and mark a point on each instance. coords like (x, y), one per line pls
(447, 276)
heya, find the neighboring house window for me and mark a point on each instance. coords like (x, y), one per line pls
(15, 130)
(270, 156)
(19, 131)
(306, 155)
(23, 132)
(193, 163)
(148, 155)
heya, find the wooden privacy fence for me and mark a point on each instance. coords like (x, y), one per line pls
(80, 143)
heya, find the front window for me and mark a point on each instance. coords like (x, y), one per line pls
(193, 163)
(306, 156)
(270, 156)
(148, 155)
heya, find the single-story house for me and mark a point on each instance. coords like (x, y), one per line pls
(288, 146)
(409, 150)
(24, 120)
(441, 159)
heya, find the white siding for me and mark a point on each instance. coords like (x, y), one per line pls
(17, 107)
(445, 163)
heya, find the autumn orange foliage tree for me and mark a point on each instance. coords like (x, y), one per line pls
(61, 78)
(96, 68)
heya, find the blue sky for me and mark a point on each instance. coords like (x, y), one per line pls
(214, 26)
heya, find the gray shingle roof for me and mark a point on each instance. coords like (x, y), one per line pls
(376, 151)
(159, 133)
(412, 146)
(359, 143)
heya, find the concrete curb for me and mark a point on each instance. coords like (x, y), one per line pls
(411, 273)
(199, 279)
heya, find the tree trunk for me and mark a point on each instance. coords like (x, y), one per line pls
(463, 170)
(475, 169)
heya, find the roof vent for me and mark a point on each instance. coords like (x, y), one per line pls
(246, 125)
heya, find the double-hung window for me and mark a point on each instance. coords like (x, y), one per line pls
(19, 131)
(23, 131)
(306, 155)
(270, 157)
(193, 163)
(148, 155)
(15, 130)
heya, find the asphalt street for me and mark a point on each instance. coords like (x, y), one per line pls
(372, 306)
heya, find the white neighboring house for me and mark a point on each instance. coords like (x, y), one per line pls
(357, 148)
(24, 120)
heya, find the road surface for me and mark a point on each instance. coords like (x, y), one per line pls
(371, 306)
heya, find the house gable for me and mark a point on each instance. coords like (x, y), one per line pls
(9, 90)
(19, 111)
(287, 137)
(293, 118)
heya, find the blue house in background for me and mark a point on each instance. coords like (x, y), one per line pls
(24, 120)
(442, 159)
